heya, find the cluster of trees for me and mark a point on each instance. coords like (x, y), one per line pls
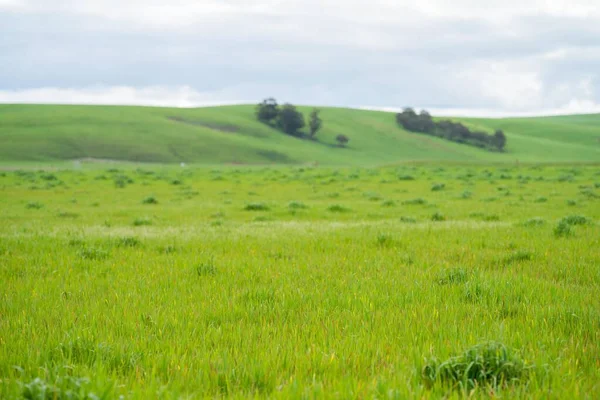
(454, 131)
(291, 121)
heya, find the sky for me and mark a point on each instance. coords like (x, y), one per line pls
(461, 57)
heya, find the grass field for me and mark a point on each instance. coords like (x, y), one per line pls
(298, 282)
(231, 135)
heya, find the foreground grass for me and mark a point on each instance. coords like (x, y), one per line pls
(294, 282)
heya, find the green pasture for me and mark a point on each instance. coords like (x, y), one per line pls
(232, 135)
(406, 281)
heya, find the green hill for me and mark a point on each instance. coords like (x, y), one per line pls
(231, 134)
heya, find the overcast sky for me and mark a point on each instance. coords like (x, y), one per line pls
(478, 57)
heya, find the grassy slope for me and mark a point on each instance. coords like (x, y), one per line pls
(51, 133)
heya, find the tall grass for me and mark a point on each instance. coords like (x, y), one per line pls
(194, 299)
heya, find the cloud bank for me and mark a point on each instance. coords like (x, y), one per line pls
(501, 57)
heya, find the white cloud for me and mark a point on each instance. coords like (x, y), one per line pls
(510, 55)
(178, 14)
(181, 96)
(513, 85)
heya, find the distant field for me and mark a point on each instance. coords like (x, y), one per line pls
(297, 282)
(231, 135)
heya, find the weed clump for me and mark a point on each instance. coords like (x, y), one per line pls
(563, 229)
(67, 214)
(122, 180)
(388, 203)
(418, 201)
(337, 208)
(34, 205)
(408, 220)
(297, 205)
(452, 276)
(128, 241)
(256, 207)
(576, 220)
(142, 221)
(385, 240)
(518, 256)
(64, 387)
(490, 364)
(564, 226)
(437, 187)
(150, 200)
(206, 269)
(437, 217)
(534, 222)
(93, 253)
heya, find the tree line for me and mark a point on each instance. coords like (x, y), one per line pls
(290, 121)
(454, 131)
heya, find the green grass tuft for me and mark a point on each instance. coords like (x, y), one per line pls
(491, 364)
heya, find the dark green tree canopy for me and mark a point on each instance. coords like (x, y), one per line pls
(290, 120)
(315, 122)
(342, 139)
(267, 110)
(454, 131)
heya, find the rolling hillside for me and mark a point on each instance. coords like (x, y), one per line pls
(230, 134)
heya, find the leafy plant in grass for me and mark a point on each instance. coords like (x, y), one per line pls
(206, 269)
(576, 220)
(63, 387)
(518, 256)
(256, 207)
(437, 217)
(144, 221)
(93, 253)
(564, 226)
(297, 205)
(34, 205)
(150, 200)
(122, 180)
(67, 214)
(452, 276)
(490, 364)
(563, 229)
(372, 196)
(337, 208)
(437, 187)
(385, 240)
(466, 195)
(128, 241)
(537, 221)
(418, 201)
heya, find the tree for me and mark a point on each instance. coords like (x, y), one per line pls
(499, 140)
(267, 110)
(426, 123)
(315, 122)
(290, 120)
(342, 140)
